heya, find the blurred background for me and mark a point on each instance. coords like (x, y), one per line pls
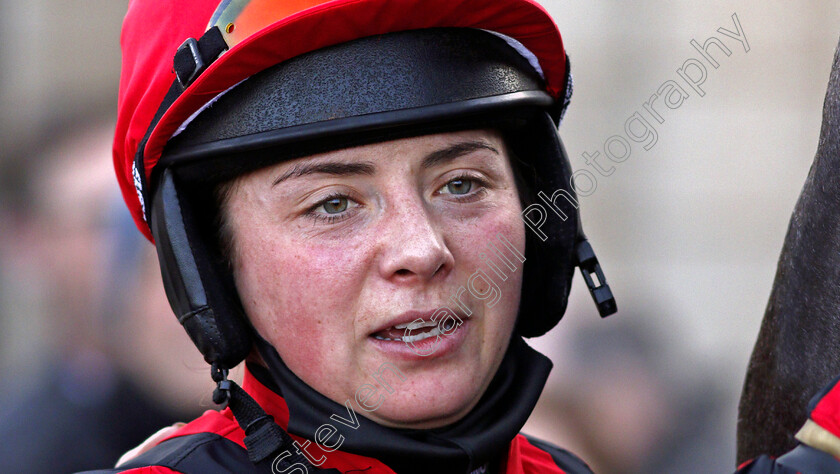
(688, 232)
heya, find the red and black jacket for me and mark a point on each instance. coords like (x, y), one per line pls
(487, 440)
(215, 443)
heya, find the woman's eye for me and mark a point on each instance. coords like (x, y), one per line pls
(459, 186)
(333, 209)
(335, 205)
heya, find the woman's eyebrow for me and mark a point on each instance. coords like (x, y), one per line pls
(449, 153)
(330, 167)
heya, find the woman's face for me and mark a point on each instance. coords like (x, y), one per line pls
(332, 251)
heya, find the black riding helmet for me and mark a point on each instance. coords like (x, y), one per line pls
(368, 90)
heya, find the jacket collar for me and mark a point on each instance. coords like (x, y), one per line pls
(478, 438)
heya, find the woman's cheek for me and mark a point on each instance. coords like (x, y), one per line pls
(476, 240)
(492, 240)
(307, 294)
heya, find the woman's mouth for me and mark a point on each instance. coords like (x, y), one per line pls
(428, 335)
(409, 332)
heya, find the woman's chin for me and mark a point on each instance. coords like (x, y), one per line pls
(434, 391)
(425, 409)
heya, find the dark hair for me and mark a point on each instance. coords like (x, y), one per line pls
(224, 233)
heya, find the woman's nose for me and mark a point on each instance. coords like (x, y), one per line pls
(412, 246)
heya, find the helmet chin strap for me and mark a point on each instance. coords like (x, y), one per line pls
(268, 444)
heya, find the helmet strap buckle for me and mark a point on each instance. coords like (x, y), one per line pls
(188, 57)
(194, 55)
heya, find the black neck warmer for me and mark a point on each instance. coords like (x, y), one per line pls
(482, 436)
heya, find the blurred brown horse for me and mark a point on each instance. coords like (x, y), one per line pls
(798, 347)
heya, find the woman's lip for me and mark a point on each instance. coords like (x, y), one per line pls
(429, 348)
(409, 317)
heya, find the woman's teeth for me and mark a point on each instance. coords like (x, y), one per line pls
(417, 332)
(421, 336)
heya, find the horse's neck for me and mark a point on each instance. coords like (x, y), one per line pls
(798, 347)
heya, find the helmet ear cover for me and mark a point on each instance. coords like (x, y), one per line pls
(199, 289)
(550, 263)
(251, 126)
